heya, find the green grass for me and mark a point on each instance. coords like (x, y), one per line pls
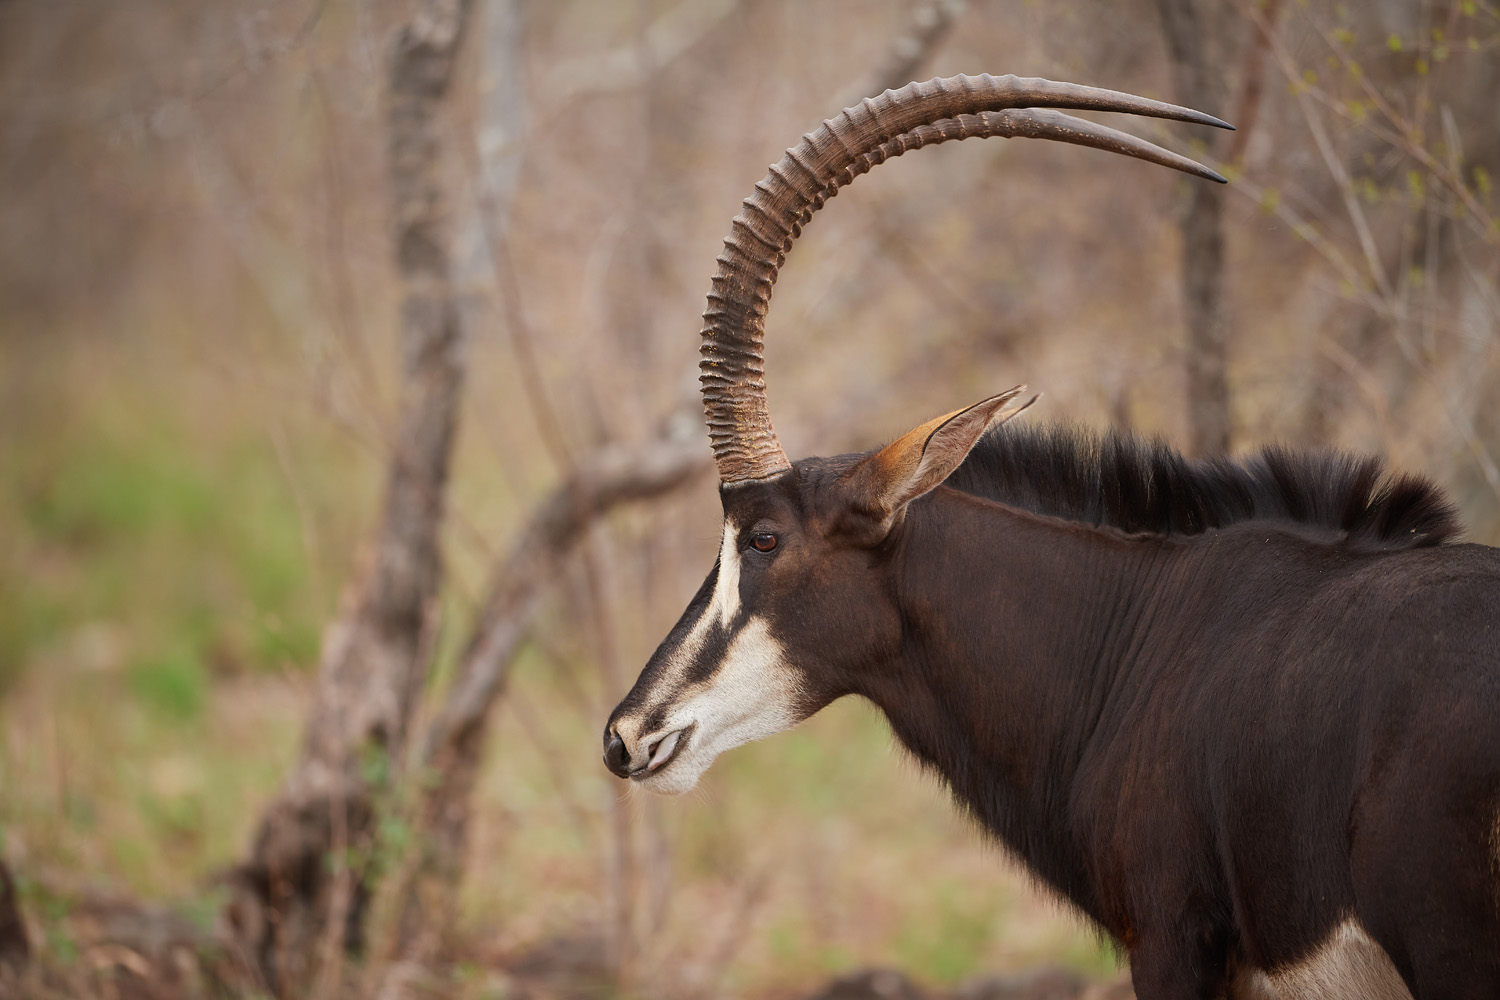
(153, 567)
(952, 945)
(185, 540)
(174, 684)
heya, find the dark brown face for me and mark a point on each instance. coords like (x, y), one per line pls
(800, 604)
(794, 604)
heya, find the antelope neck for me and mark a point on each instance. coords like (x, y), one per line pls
(1001, 689)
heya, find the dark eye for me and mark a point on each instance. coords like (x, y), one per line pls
(763, 542)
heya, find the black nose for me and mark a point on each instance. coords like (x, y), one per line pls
(616, 758)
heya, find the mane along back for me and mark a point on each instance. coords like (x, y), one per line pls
(1120, 480)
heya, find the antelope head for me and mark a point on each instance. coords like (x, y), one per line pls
(800, 603)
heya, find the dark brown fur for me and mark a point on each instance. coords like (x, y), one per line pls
(1221, 707)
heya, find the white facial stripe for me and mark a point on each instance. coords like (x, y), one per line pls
(723, 605)
(727, 589)
(751, 696)
(1348, 964)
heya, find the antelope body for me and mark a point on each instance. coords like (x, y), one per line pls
(1246, 716)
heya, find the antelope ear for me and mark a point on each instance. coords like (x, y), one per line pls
(919, 460)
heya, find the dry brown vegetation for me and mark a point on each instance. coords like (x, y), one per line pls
(200, 377)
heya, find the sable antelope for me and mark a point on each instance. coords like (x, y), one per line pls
(1243, 714)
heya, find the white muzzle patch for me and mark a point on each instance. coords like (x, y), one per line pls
(751, 693)
(751, 696)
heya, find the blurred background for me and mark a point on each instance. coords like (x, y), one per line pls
(222, 413)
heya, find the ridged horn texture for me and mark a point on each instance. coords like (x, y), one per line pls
(898, 121)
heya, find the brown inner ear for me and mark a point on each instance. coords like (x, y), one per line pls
(919, 460)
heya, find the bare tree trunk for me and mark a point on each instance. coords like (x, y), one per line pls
(297, 888)
(417, 905)
(455, 741)
(1198, 78)
(1252, 85)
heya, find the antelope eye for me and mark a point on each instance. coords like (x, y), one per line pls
(763, 542)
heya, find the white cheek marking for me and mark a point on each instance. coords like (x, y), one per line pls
(1348, 964)
(727, 590)
(751, 696)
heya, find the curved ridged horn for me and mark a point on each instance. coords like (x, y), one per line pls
(919, 114)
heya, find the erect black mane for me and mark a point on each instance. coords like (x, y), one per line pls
(1120, 480)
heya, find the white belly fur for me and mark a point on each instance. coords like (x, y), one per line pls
(1349, 965)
